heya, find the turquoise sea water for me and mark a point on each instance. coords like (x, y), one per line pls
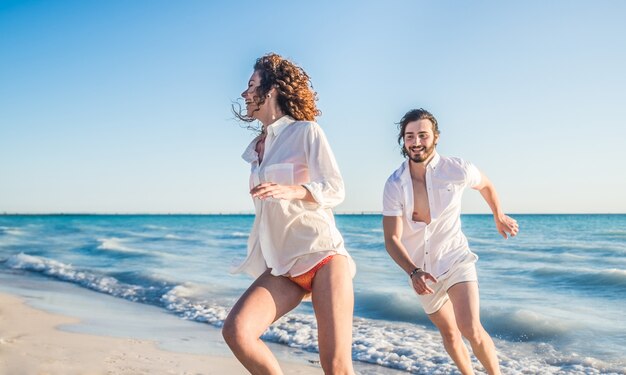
(554, 298)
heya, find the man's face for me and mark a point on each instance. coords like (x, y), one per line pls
(419, 140)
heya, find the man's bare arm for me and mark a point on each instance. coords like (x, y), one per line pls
(506, 225)
(392, 227)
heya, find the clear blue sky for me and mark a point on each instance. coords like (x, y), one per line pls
(124, 106)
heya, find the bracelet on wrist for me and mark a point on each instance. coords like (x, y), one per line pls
(414, 272)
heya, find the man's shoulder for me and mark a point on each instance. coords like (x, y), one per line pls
(454, 168)
(453, 162)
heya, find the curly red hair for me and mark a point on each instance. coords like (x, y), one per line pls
(296, 96)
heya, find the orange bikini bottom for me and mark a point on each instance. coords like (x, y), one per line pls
(306, 279)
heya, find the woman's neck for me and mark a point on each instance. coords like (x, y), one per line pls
(271, 117)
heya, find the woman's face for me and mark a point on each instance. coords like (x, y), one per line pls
(251, 98)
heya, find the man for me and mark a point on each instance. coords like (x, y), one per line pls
(422, 226)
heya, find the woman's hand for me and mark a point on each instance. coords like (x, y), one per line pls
(273, 190)
(419, 282)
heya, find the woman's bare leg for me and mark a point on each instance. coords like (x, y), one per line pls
(333, 302)
(266, 300)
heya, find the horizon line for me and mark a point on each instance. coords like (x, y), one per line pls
(251, 213)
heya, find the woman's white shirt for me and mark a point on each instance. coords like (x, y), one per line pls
(291, 236)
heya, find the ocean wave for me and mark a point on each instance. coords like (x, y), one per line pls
(612, 276)
(157, 227)
(232, 236)
(388, 344)
(117, 244)
(613, 234)
(592, 249)
(611, 280)
(185, 303)
(400, 306)
(524, 325)
(155, 237)
(519, 325)
(11, 231)
(88, 279)
(170, 236)
(405, 346)
(118, 248)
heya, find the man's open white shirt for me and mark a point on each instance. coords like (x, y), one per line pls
(437, 246)
(292, 236)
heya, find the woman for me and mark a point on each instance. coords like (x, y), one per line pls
(294, 248)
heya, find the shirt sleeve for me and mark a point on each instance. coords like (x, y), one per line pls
(326, 184)
(392, 199)
(473, 177)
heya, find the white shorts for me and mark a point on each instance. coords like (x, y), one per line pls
(462, 271)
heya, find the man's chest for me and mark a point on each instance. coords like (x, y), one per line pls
(432, 197)
(421, 206)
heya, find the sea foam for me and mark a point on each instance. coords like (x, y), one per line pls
(404, 346)
(65, 272)
(116, 244)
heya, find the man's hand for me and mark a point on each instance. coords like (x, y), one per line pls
(506, 224)
(419, 282)
(273, 190)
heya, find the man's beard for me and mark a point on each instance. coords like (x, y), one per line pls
(422, 156)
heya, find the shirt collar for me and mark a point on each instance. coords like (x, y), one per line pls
(406, 173)
(434, 161)
(279, 125)
(250, 155)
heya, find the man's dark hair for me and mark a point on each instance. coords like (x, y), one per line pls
(415, 115)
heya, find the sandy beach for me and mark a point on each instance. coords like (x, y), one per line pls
(32, 343)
